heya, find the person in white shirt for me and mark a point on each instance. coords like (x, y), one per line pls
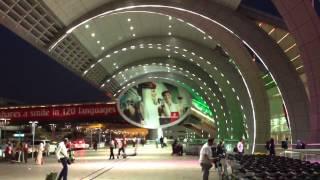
(62, 156)
(39, 159)
(206, 159)
(240, 147)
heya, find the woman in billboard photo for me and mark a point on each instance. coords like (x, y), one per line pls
(150, 110)
(169, 111)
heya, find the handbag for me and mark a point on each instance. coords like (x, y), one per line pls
(68, 161)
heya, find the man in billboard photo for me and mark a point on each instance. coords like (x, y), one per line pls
(169, 111)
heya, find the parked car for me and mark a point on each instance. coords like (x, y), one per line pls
(79, 144)
(2, 149)
(52, 145)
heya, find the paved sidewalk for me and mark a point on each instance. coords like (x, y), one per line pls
(149, 164)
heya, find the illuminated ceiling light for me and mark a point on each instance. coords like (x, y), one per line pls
(282, 38)
(299, 67)
(288, 49)
(169, 56)
(115, 52)
(210, 37)
(208, 62)
(87, 26)
(134, 35)
(93, 34)
(170, 18)
(124, 49)
(169, 33)
(193, 53)
(191, 59)
(131, 28)
(270, 32)
(102, 47)
(132, 47)
(204, 38)
(107, 56)
(129, 19)
(98, 42)
(159, 48)
(170, 26)
(201, 57)
(295, 58)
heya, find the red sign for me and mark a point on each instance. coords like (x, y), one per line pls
(174, 116)
(59, 111)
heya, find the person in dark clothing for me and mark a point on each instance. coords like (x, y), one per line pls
(161, 141)
(221, 150)
(284, 144)
(112, 146)
(272, 147)
(95, 145)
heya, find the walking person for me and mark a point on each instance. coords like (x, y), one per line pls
(161, 141)
(206, 159)
(240, 147)
(272, 150)
(25, 152)
(62, 156)
(112, 146)
(121, 144)
(285, 144)
(47, 149)
(39, 159)
(9, 152)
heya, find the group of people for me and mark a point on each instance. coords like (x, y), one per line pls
(121, 144)
(210, 154)
(270, 145)
(17, 152)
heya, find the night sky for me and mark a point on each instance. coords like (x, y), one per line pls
(31, 77)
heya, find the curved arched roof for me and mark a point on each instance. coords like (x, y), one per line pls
(203, 44)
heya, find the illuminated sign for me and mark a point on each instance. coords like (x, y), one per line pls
(59, 111)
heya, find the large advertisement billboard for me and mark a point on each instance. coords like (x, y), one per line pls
(154, 104)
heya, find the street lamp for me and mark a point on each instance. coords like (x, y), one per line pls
(3, 125)
(53, 129)
(33, 126)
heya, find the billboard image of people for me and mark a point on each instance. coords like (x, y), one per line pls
(154, 104)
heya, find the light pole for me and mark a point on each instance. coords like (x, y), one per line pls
(53, 130)
(3, 126)
(33, 126)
